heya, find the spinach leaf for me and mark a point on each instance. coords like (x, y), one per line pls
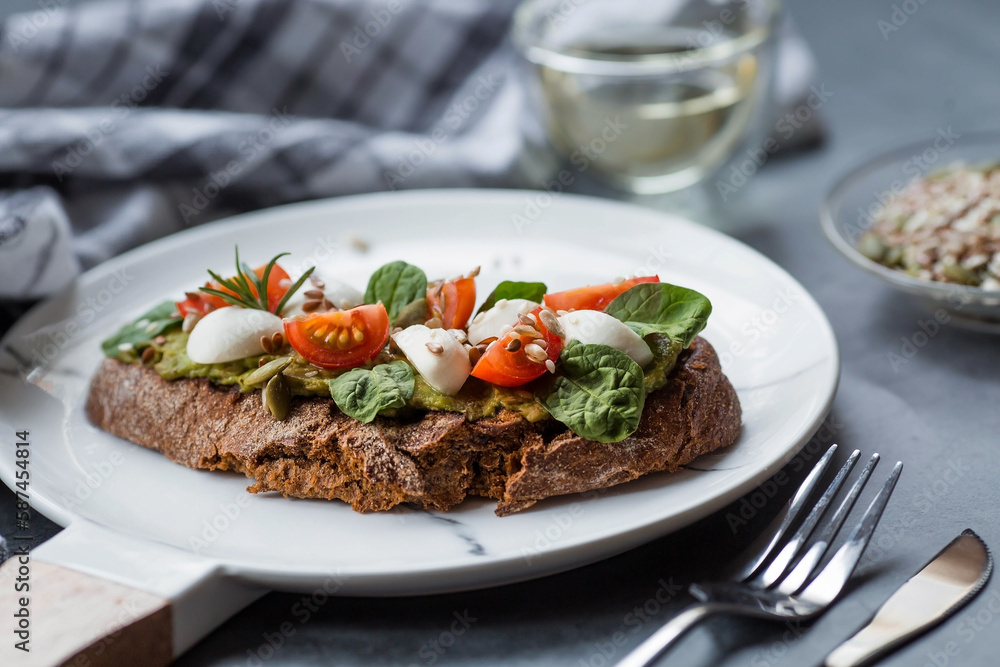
(396, 284)
(598, 392)
(512, 289)
(361, 393)
(676, 312)
(142, 332)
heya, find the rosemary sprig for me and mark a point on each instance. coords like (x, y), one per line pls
(240, 285)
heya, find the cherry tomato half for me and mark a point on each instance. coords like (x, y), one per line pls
(342, 338)
(452, 301)
(593, 297)
(501, 366)
(201, 303)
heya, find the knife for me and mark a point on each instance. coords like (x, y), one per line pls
(941, 588)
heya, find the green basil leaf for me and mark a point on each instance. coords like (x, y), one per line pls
(142, 332)
(598, 392)
(396, 284)
(512, 289)
(676, 312)
(361, 393)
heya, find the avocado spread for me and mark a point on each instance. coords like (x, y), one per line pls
(477, 399)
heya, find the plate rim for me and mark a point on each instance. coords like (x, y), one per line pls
(550, 560)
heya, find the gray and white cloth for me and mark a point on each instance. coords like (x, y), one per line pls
(125, 120)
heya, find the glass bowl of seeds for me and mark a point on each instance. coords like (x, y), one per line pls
(925, 218)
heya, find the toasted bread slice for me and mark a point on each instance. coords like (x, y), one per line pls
(434, 459)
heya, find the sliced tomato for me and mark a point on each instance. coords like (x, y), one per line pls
(452, 301)
(202, 303)
(340, 339)
(500, 366)
(593, 297)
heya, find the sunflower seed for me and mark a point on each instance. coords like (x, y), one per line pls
(277, 397)
(266, 344)
(535, 353)
(194, 296)
(527, 331)
(148, 354)
(315, 280)
(190, 320)
(525, 320)
(435, 348)
(552, 323)
(474, 272)
(474, 355)
(514, 345)
(310, 374)
(160, 340)
(542, 343)
(550, 366)
(151, 327)
(277, 340)
(313, 294)
(310, 306)
(328, 305)
(267, 371)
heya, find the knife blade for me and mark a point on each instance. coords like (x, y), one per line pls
(941, 588)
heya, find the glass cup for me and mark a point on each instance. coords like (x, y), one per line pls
(653, 95)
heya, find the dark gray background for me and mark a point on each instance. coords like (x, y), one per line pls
(937, 413)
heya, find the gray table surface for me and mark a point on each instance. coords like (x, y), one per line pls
(937, 413)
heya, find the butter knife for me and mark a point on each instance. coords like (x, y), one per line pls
(941, 588)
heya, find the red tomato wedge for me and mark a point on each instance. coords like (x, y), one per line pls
(452, 301)
(201, 303)
(340, 339)
(593, 297)
(501, 366)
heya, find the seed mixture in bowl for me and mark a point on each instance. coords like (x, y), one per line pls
(944, 227)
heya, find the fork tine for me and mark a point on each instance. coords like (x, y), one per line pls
(791, 549)
(800, 574)
(834, 575)
(758, 552)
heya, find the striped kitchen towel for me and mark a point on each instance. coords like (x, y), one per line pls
(125, 120)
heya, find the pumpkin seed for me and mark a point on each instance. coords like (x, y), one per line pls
(268, 371)
(277, 397)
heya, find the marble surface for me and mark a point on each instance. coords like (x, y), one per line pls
(936, 412)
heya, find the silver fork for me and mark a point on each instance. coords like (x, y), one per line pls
(775, 591)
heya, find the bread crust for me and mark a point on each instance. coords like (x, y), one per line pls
(434, 459)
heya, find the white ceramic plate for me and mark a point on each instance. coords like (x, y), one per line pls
(777, 347)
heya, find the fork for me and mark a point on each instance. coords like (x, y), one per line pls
(781, 590)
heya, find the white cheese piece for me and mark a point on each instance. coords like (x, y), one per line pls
(490, 323)
(445, 371)
(231, 333)
(596, 327)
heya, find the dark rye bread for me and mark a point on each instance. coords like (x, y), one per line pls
(434, 460)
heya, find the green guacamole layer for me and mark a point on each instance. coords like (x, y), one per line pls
(477, 399)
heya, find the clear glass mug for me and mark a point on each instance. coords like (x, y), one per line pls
(653, 95)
